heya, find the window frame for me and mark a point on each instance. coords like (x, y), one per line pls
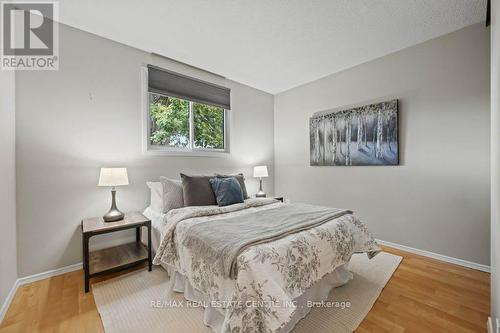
(191, 150)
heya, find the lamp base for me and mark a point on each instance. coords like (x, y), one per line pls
(113, 215)
(260, 194)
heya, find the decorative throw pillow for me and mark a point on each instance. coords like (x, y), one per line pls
(172, 194)
(227, 190)
(156, 190)
(197, 191)
(241, 179)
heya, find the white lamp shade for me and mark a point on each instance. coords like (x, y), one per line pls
(260, 171)
(113, 177)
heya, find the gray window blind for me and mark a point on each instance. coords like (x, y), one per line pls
(164, 82)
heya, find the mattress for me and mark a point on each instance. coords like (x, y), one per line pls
(157, 221)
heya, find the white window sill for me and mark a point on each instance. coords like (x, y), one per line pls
(185, 152)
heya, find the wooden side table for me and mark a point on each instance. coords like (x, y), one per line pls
(119, 257)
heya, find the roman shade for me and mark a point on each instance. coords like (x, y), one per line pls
(164, 82)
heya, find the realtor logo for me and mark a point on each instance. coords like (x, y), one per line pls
(30, 39)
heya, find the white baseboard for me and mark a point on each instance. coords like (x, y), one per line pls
(491, 326)
(8, 300)
(32, 278)
(48, 274)
(441, 257)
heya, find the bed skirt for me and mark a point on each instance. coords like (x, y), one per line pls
(214, 316)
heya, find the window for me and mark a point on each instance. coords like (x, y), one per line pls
(184, 115)
(183, 125)
(169, 121)
(208, 126)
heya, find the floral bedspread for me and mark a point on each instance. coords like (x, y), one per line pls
(270, 275)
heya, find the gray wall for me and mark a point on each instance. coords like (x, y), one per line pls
(495, 159)
(87, 115)
(8, 260)
(438, 198)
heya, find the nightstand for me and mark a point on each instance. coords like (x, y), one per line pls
(272, 197)
(119, 257)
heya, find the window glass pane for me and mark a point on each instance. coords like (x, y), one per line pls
(169, 121)
(208, 126)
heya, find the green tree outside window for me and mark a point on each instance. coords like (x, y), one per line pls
(170, 123)
(208, 126)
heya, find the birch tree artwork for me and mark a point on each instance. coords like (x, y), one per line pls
(365, 135)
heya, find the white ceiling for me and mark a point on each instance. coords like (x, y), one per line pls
(272, 45)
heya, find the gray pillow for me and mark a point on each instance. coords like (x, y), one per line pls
(241, 179)
(227, 190)
(172, 197)
(197, 191)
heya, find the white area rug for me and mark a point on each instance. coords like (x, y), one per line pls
(125, 303)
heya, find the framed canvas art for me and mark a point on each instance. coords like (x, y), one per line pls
(365, 135)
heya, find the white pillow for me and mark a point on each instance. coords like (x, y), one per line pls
(156, 189)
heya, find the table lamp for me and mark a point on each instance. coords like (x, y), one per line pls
(112, 177)
(260, 172)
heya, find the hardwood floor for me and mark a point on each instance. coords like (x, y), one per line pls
(424, 295)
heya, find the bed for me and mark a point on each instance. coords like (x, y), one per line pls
(265, 285)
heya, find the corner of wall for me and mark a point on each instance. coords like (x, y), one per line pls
(495, 160)
(8, 224)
